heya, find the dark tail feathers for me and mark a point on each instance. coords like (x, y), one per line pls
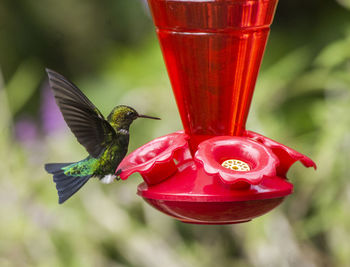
(66, 185)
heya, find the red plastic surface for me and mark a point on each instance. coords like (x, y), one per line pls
(155, 160)
(215, 212)
(193, 193)
(261, 160)
(213, 51)
(287, 155)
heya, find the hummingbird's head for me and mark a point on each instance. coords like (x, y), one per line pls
(122, 116)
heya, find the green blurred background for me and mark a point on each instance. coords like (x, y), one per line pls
(109, 49)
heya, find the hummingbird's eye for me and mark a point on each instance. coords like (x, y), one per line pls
(132, 115)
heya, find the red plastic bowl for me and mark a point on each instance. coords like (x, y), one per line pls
(192, 196)
(215, 212)
(189, 192)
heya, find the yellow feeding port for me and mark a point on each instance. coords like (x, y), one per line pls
(236, 165)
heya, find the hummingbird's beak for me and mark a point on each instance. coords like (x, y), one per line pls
(148, 117)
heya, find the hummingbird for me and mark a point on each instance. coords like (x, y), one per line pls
(106, 140)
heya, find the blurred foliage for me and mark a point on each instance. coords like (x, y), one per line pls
(109, 49)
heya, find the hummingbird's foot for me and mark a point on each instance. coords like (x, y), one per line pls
(117, 174)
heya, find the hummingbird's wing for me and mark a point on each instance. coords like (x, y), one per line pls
(85, 121)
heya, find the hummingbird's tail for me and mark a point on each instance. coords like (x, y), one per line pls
(66, 184)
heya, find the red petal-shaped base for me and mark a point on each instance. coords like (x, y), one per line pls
(192, 196)
(193, 193)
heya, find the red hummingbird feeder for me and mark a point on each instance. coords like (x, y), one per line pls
(215, 171)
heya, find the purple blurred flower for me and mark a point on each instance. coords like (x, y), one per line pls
(52, 118)
(26, 130)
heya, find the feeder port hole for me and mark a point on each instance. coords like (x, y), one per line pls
(236, 165)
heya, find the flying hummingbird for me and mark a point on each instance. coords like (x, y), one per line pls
(106, 140)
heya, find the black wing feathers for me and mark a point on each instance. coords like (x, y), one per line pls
(65, 89)
(82, 117)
